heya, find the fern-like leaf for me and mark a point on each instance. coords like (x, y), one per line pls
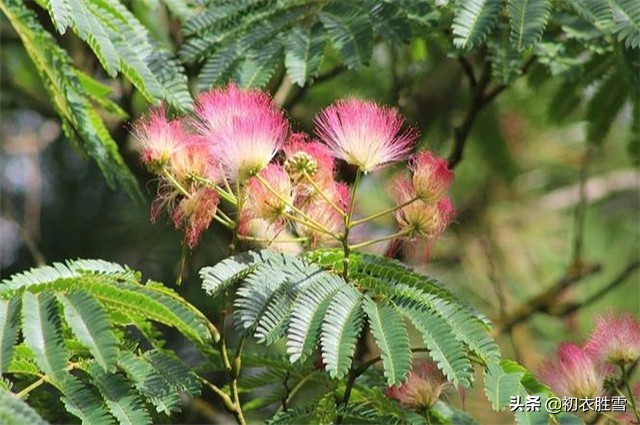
(124, 404)
(392, 338)
(444, 348)
(14, 411)
(259, 65)
(305, 52)
(81, 402)
(231, 270)
(628, 26)
(474, 20)
(605, 105)
(306, 317)
(154, 386)
(340, 331)
(41, 329)
(80, 121)
(91, 326)
(528, 21)
(9, 323)
(350, 30)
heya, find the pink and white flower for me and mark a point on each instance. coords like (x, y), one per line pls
(319, 210)
(364, 134)
(615, 339)
(423, 386)
(244, 126)
(262, 202)
(574, 373)
(161, 139)
(193, 214)
(431, 176)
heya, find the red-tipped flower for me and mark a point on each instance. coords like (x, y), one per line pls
(194, 214)
(431, 176)
(615, 339)
(574, 373)
(161, 139)
(262, 202)
(364, 134)
(245, 127)
(423, 386)
(320, 211)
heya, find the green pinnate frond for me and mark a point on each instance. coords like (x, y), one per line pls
(528, 20)
(123, 402)
(23, 361)
(259, 65)
(439, 338)
(231, 270)
(506, 62)
(9, 324)
(350, 30)
(256, 292)
(389, 20)
(173, 371)
(628, 22)
(36, 276)
(14, 411)
(81, 402)
(298, 415)
(473, 21)
(306, 317)
(41, 330)
(80, 121)
(222, 16)
(605, 105)
(599, 13)
(500, 386)
(91, 326)
(60, 12)
(272, 324)
(392, 338)
(304, 53)
(340, 331)
(153, 386)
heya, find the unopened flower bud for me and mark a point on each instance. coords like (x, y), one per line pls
(299, 164)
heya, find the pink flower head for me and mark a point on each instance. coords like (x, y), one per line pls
(422, 220)
(423, 386)
(312, 157)
(615, 339)
(431, 176)
(160, 138)
(574, 374)
(244, 126)
(364, 134)
(262, 202)
(195, 159)
(194, 214)
(319, 210)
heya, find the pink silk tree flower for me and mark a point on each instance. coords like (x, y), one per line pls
(195, 160)
(423, 386)
(193, 214)
(160, 138)
(574, 373)
(615, 339)
(244, 127)
(262, 202)
(426, 221)
(431, 176)
(364, 134)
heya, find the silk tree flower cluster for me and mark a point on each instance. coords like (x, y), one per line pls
(589, 371)
(236, 160)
